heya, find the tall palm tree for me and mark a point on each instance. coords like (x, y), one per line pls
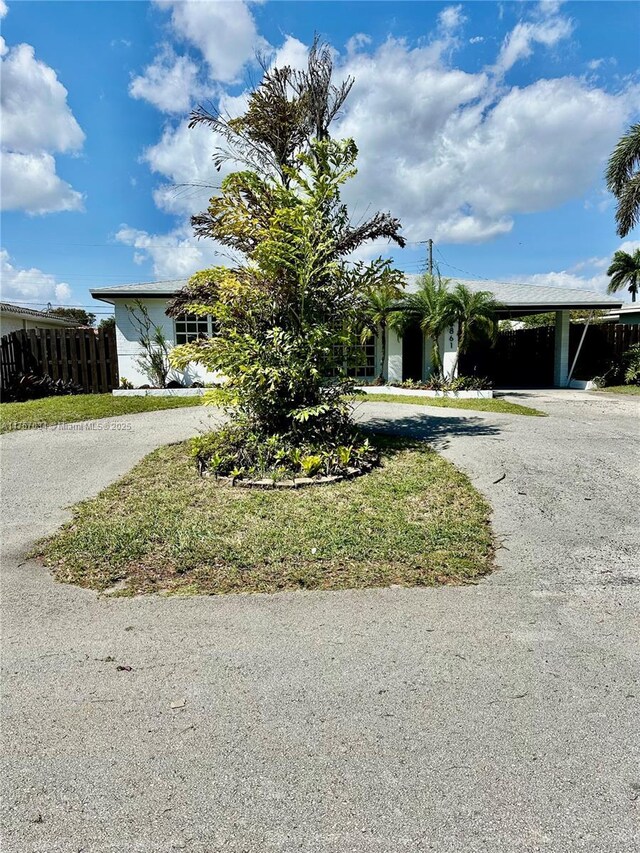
(475, 314)
(623, 179)
(625, 271)
(381, 312)
(430, 308)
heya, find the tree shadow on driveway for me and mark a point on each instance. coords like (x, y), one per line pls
(436, 430)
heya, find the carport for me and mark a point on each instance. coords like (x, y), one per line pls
(409, 358)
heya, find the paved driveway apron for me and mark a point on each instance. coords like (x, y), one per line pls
(497, 717)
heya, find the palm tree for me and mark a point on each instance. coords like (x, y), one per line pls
(625, 271)
(381, 311)
(475, 314)
(623, 179)
(429, 307)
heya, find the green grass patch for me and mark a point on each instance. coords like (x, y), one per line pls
(416, 521)
(82, 407)
(493, 404)
(633, 390)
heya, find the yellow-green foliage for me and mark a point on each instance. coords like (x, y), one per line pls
(285, 314)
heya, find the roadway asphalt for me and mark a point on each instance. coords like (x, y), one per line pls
(500, 717)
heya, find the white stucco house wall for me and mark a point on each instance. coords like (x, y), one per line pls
(15, 318)
(407, 357)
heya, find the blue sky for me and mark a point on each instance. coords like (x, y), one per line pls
(485, 126)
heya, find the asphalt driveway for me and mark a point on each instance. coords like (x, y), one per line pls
(499, 717)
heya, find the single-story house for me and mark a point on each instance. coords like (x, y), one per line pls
(628, 315)
(15, 318)
(407, 357)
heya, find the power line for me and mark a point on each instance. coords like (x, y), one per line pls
(466, 272)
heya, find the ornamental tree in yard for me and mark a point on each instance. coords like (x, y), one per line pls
(382, 311)
(430, 308)
(291, 306)
(475, 312)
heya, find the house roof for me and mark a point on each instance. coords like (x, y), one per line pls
(534, 298)
(624, 311)
(164, 289)
(32, 313)
(516, 299)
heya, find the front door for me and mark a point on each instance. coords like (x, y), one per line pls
(412, 353)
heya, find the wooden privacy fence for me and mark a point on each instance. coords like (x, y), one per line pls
(87, 357)
(524, 357)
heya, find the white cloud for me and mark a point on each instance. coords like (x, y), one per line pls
(30, 183)
(184, 158)
(31, 285)
(589, 274)
(451, 17)
(565, 278)
(629, 246)
(476, 40)
(3, 9)
(225, 33)
(548, 29)
(170, 83)
(356, 42)
(174, 255)
(456, 157)
(293, 53)
(35, 113)
(36, 123)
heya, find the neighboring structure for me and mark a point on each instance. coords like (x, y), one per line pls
(628, 315)
(14, 318)
(407, 357)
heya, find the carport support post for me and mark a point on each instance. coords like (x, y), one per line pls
(393, 367)
(561, 353)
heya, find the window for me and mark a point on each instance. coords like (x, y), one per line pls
(191, 327)
(358, 359)
(363, 362)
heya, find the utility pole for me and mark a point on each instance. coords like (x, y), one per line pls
(429, 243)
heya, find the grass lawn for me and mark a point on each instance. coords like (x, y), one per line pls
(82, 407)
(634, 390)
(493, 404)
(416, 521)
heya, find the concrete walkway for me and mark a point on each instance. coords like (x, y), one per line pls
(500, 717)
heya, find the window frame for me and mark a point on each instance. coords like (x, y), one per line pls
(181, 330)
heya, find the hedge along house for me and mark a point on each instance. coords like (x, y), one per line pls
(407, 356)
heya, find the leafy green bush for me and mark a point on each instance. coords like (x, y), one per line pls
(631, 361)
(238, 452)
(29, 386)
(622, 369)
(438, 383)
(288, 313)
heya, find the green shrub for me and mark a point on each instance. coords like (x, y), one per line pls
(631, 360)
(459, 383)
(240, 453)
(287, 314)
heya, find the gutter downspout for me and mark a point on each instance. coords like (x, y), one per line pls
(575, 359)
